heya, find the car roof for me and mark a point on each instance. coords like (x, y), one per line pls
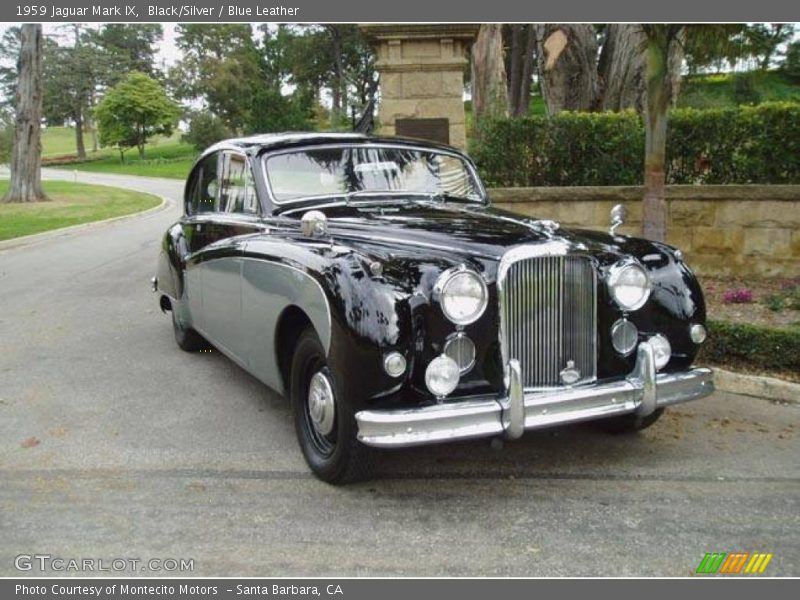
(256, 144)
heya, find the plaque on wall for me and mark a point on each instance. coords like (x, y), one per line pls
(435, 130)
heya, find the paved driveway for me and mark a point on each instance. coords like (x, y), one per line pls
(114, 443)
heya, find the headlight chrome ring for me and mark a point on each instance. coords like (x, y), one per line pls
(462, 293)
(624, 279)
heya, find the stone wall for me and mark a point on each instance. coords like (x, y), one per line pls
(724, 230)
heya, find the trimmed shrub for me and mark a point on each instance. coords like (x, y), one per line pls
(763, 348)
(749, 144)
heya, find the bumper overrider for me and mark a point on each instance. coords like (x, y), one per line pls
(642, 392)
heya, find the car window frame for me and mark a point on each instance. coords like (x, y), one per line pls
(252, 180)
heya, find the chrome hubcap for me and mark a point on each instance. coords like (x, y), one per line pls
(321, 404)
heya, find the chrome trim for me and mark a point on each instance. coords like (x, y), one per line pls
(613, 273)
(618, 215)
(615, 328)
(300, 148)
(642, 391)
(460, 337)
(539, 344)
(514, 421)
(444, 279)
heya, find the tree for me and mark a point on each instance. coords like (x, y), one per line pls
(791, 64)
(133, 111)
(26, 159)
(220, 68)
(72, 75)
(567, 61)
(129, 47)
(489, 91)
(762, 41)
(661, 41)
(521, 42)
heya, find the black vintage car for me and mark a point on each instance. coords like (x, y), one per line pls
(370, 281)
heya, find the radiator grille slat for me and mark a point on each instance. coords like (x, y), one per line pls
(549, 318)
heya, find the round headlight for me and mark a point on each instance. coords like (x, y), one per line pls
(462, 295)
(698, 333)
(441, 376)
(462, 350)
(662, 351)
(624, 336)
(629, 285)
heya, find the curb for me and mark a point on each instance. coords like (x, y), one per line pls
(35, 238)
(768, 388)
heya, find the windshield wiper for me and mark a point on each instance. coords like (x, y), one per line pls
(443, 197)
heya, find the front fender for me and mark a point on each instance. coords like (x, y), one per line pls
(171, 262)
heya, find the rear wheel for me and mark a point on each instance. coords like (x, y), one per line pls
(630, 423)
(324, 421)
(186, 337)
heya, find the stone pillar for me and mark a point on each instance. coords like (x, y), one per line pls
(422, 79)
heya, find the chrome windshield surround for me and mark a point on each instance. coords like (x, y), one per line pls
(550, 249)
(483, 200)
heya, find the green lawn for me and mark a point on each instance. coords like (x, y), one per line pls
(163, 158)
(69, 204)
(719, 91)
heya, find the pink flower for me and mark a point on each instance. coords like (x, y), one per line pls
(741, 296)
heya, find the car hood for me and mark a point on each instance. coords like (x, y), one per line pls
(460, 228)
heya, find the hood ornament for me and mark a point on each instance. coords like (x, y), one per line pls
(618, 215)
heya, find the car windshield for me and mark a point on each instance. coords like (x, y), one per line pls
(362, 170)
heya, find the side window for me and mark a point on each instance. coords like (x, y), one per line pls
(203, 190)
(237, 188)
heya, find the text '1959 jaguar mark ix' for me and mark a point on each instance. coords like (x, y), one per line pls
(370, 281)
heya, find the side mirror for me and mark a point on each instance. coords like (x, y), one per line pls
(618, 215)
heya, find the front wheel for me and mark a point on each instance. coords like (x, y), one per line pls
(630, 423)
(325, 425)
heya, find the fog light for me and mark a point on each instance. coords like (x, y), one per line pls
(441, 376)
(662, 351)
(461, 349)
(394, 364)
(698, 333)
(624, 336)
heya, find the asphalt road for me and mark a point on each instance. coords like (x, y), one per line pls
(114, 443)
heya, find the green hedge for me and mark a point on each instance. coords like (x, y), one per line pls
(749, 345)
(749, 144)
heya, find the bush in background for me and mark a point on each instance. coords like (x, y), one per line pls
(762, 348)
(749, 144)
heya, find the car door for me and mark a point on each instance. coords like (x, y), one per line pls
(236, 217)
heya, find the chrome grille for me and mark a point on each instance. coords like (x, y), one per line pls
(548, 308)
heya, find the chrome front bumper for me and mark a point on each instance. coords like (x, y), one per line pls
(642, 392)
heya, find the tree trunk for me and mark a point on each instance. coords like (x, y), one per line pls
(79, 145)
(567, 61)
(660, 42)
(621, 69)
(515, 69)
(26, 159)
(524, 101)
(489, 92)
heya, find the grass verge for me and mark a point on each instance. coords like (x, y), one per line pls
(69, 204)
